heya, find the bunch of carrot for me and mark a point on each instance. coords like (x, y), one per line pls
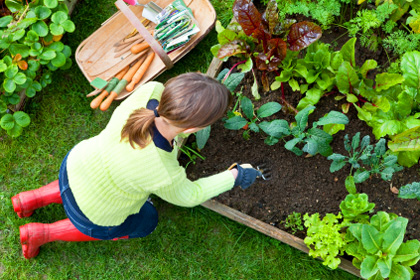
(126, 78)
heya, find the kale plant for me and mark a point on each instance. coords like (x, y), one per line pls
(410, 191)
(366, 160)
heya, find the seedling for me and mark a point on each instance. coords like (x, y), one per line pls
(294, 222)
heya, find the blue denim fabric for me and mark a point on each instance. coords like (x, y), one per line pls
(136, 225)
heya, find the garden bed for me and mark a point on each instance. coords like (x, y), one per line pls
(299, 184)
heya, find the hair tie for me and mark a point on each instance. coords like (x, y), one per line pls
(156, 113)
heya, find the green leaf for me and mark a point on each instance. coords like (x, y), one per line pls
(13, 5)
(56, 29)
(30, 92)
(33, 65)
(348, 51)
(291, 143)
(15, 131)
(410, 66)
(41, 28)
(51, 3)
(68, 26)
(235, 123)
(20, 78)
(333, 128)
(3, 107)
(369, 266)
(233, 81)
(371, 239)
(21, 118)
(399, 272)
(355, 141)
(361, 176)
(384, 266)
(32, 36)
(254, 88)
(244, 67)
(368, 65)
(408, 140)
(9, 85)
(5, 20)
(59, 60)
(346, 77)
(247, 107)
(410, 191)
(408, 253)
(7, 122)
(386, 80)
(66, 51)
(268, 109)
(312, 97)
(350, 185)
(394, 235)
(42, 12)
(48, 55)
(408, 159)
(275, 128)
(19, 49)
(302, 117)
(3, 66)
(11, 71)
(311, 146)
(202, 136)
(333, 117)
(17, 35)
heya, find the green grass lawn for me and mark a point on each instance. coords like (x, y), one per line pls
(187, 244)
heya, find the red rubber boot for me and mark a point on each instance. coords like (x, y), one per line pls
(25, 203)
(34, 235)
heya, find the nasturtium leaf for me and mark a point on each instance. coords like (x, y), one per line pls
(13, 99)
(3, 107)
(15, 131)
(7, 122)
(59, 60)
(30, 92)
(48, 55)
(22, 118)
(51, 3)
(21, 49)
(68, 26)
(247, 107)
(202, 136)
(32, 36)
(57, 46)
(33, 65)
(302, 34)
(268, 109)
(11, 71)
(68, 64)
(247, 15)
(19, 78)
(41, 28)
(4, 21)
(56, 29)
(13, 5)
(66, 51)
(42, 12)
(235, 123)
(9, 85)
(18, 35)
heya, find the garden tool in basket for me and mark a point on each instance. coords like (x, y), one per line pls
(150, 10)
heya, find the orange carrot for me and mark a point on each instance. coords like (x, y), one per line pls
(139, 74)
(139, 47)
(95, 102)
(121, 85)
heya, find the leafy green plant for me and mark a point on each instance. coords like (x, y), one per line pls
(355, 205)
(378, 248)
(375, 243)
(191, 153)
(366, 160)
(262, 41)
(325, 238)
(315, 140)
(294, 222)
(410, 191)
(31, 49)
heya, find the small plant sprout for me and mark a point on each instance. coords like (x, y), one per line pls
(294, 222)
(366, 159)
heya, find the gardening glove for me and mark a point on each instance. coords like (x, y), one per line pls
(246, 175)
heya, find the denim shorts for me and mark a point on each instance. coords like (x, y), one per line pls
(136, 225)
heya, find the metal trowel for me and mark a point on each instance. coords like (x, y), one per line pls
(150, 10)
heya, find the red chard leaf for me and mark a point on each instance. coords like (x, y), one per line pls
(233, 48)
(271, 15)
(303, 34)
(247, 15)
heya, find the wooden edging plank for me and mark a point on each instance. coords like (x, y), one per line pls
(269, 230)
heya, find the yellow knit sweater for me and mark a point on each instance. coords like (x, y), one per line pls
(110, 180)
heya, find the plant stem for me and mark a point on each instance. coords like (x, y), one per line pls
(231, 69)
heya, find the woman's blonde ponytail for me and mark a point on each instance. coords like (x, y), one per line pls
(139, 127)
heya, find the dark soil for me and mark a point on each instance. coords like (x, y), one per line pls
(301, 184)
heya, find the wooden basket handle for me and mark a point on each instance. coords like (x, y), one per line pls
(157, 48)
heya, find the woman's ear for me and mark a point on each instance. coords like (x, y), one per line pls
(191, 130)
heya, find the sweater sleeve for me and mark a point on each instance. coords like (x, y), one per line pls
(186, 193)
